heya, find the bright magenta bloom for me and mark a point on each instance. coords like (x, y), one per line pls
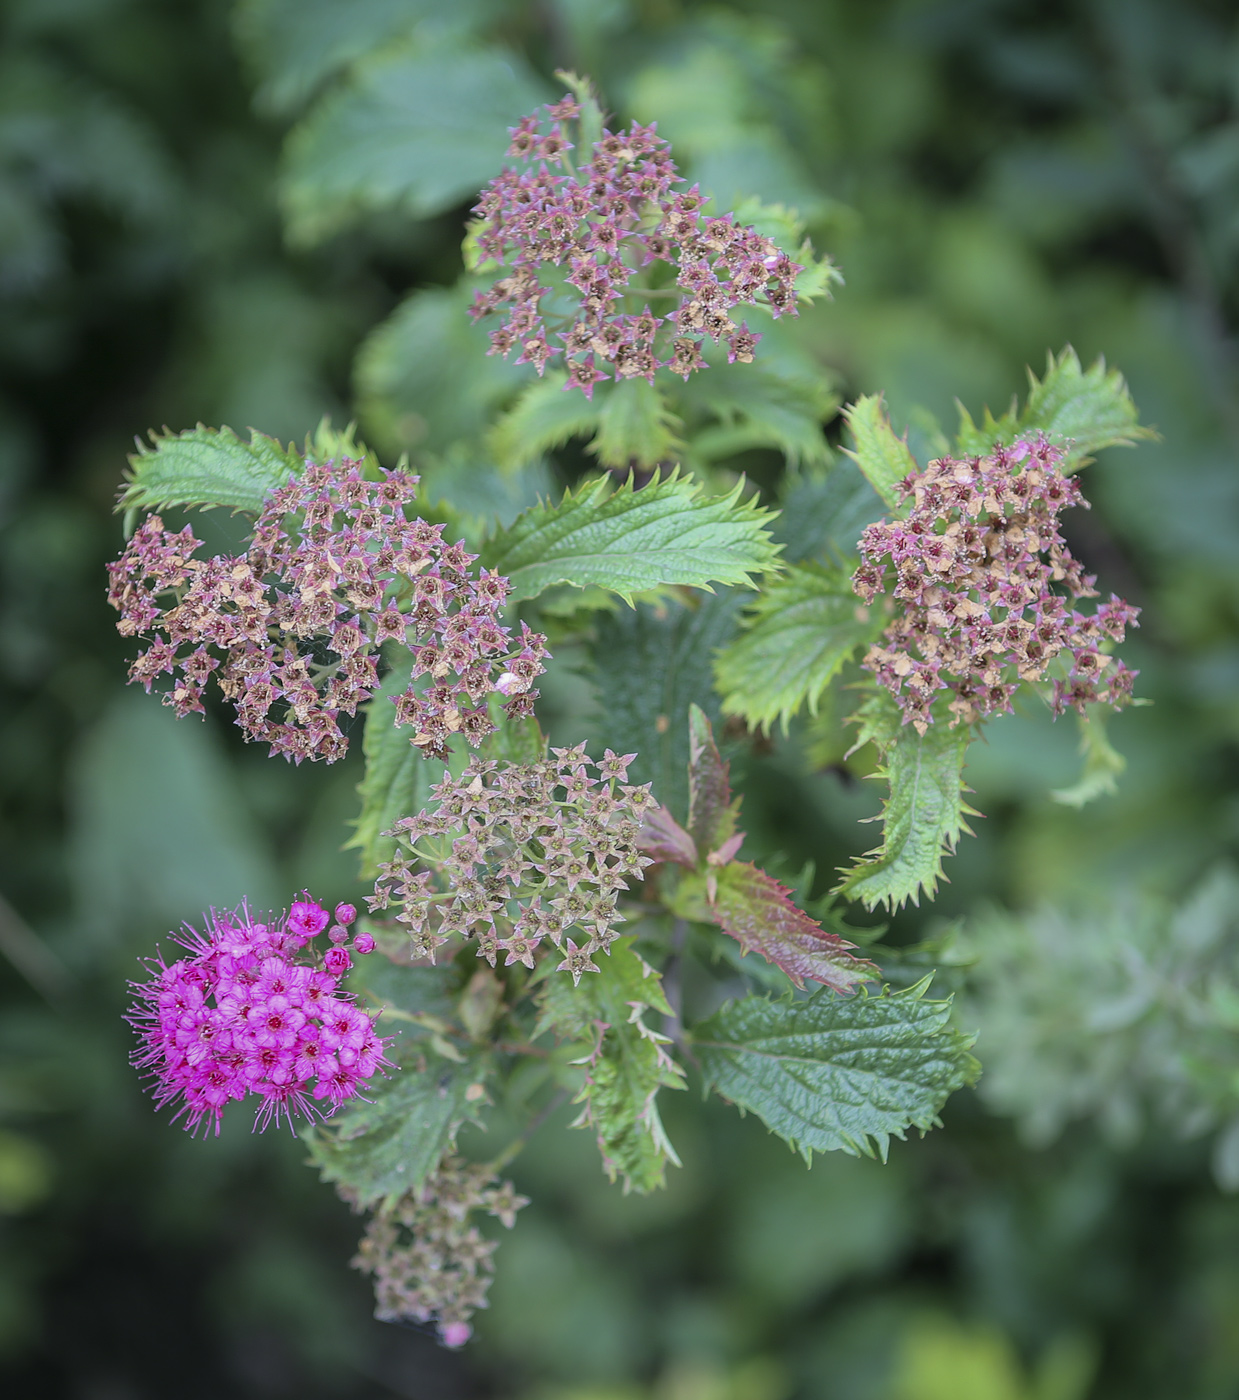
(253, 1009)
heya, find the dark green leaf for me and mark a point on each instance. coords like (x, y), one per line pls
(756, 407)
(822, 514)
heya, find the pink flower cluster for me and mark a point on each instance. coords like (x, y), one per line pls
(615, 216)
(986, 584)
(244, 1014)
(294, 625)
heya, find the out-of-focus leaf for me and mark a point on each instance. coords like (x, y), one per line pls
(544, 417)
(823, 513)
(1103, 764)
(755, 407)
(800, 630)
(924, 815)
(878, 452)
(759, 914)
(413, 130)
(636, 427)
(207, 467)
(381, 1149)
(665, 839)
(830, 1072)
(628, 540)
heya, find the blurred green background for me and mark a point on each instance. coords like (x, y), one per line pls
(180, 241)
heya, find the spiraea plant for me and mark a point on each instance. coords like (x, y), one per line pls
(533, 910)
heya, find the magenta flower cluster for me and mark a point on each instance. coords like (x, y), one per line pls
(609, 223)
(986, 586)
(254, 1009)
(536, 850)
(293, 626)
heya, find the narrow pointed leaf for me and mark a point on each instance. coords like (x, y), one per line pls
(883, 457)
(759, 914)
(711, 812)
(836, 1073)
(662, 837)
(207, 467)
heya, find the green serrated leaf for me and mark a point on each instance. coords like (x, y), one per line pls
(759, 914)
(636, 427)
(629, 540)
(650, 663)
(327, 443)
(878, 452)
(413, 130)
(756, 407)
(626, 1063)
(1103, 764)
(712, 815)
(800, 631)
(831, 1073)
(398, 778)
(1087, 408)
(923, 816)
(207, 467)
(383, 1148)
(544, 417)
(822, 514)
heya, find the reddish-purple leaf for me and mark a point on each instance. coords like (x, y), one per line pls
(758, 912)
(662, 837)
(711, 813)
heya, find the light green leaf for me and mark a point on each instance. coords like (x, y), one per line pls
(831, 1073)
(416, 130)
(397, 780)
(207, 467)
(626, 1063)
(1090, 409)
(386, 1147)
(649, 663)
(883, 457)
(1103, 764)
(629, 540)
(802, 629)
(756, 407)
(923, 816)
(544, 417)
(636, 428)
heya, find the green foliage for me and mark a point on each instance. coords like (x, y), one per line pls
(754, 406)
(829, 1072)
(712, 815)
(625, 1061)
(649, 663)
(823, 513)
(1090, 408)
(1103, 764)
(636, 427)
(628, 540)
(206, 467)
(381, 1149)
(1123, 1014)
(544, 417)
(883, 457)
(924, 814)
(798, 634)
(413, 129)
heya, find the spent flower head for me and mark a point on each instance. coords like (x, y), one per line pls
(429, 1262)
(293, 627)
(517, 857)
(986, 586)
(253, 1009)
(624, 236)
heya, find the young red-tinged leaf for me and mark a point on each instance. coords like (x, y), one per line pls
(758, 912)
(663, 837)
(711, 812)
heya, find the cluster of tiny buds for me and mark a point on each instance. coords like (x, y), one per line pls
(293, 627)
(615, 217)
(518, 855)
(428, 1262)
(986, 586)
(256, 1009)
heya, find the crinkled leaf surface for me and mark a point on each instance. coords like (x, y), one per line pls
(881, 455)
(800, 631)
(207, 467)
(829, 1072)
(758, 912)
(628, 540)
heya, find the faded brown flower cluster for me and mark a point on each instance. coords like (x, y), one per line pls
(428, 1262)
(292, 628)
(987, 584)
(515, 855)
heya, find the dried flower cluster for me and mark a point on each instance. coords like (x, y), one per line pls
(294, 625)
(249, 1012)
(428, 1263)
(986, 585)
(521, 853)
(611, 221)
